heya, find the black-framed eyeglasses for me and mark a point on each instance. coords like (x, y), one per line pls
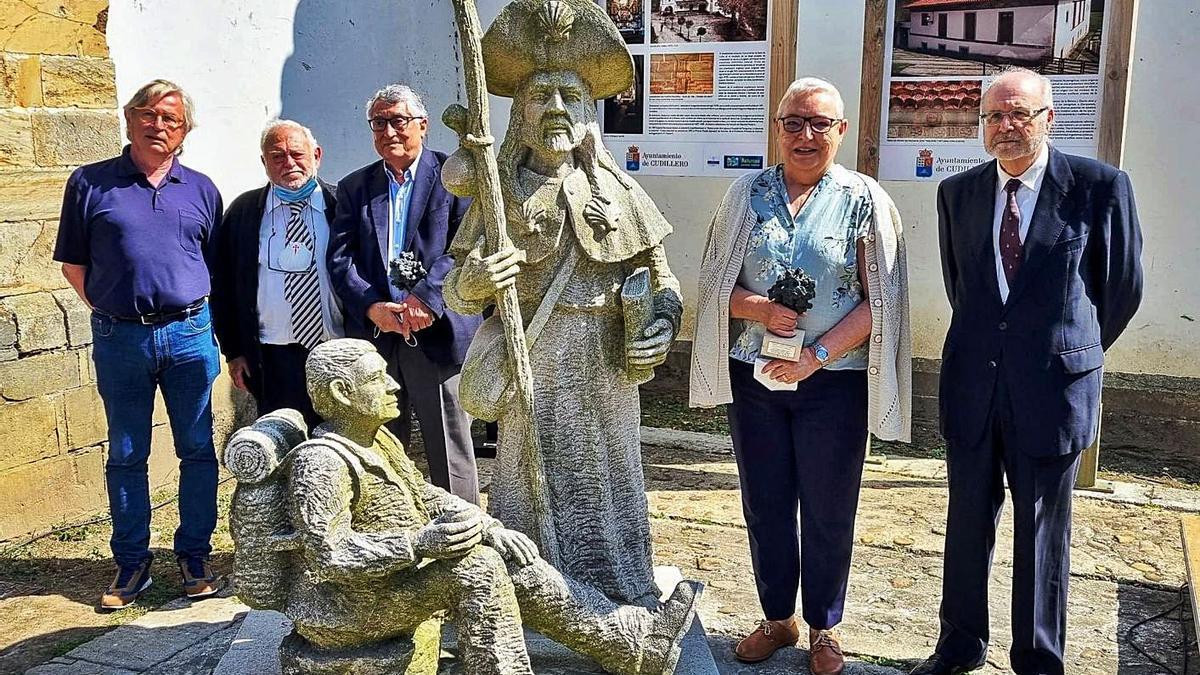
(1018, 117)
(820, 124)
(149, 117)
(399, 122)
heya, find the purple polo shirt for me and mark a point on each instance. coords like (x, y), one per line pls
(145, 247)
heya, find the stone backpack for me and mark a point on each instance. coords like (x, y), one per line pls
(265, 540)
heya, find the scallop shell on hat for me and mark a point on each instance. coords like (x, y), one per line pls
(556, 18)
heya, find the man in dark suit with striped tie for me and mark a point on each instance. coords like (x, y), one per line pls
(1040, 256)
(272, 300)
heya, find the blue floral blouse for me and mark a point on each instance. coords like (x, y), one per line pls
(822, 240)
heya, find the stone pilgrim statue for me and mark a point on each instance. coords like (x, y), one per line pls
(343, 535)
(583, 254)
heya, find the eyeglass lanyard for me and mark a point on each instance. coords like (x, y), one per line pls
(273, 256)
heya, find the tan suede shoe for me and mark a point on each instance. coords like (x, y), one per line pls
(824, 653)
(767, 637)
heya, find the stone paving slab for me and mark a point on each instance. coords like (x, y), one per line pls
(255, 649)
(179, 637)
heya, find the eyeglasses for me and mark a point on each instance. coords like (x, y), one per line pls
(794, 124)
(399, 122)
(149, 117)
(1018, 117)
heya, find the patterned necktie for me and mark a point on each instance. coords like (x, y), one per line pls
(1010, 232)
(301, 289)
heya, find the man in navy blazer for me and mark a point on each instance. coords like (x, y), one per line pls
(1040, 256)
(396, 208)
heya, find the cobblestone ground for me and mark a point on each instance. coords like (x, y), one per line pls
(1126, 566)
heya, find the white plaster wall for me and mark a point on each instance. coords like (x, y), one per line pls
(1066, 35)
(245, 60)
(316, 61)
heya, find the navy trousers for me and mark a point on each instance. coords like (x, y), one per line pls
(283, 384)
(431, 390)
(1041, 498)
(803, 450)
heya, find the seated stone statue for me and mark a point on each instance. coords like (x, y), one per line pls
(344, 536)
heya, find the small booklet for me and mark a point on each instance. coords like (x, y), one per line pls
(773, 385)
(637, 302)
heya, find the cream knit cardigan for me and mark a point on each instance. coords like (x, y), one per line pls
(889, 369)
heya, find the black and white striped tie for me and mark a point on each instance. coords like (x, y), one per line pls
(302, 290)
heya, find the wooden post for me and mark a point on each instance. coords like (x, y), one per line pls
(870, 107)
(782, 69)
(1089, 465)
(1120, 25)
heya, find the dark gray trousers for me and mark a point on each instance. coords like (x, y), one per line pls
(432, 390)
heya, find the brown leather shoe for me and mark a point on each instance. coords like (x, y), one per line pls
(824, 653)
(767, 637)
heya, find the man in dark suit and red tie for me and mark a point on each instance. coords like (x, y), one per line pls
(1040, 256)
(397, 209)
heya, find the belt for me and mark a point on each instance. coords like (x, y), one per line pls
(161, 317)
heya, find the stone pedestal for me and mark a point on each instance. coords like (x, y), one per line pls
(417, 655)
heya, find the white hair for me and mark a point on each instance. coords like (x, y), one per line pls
(276, 125)
(807, 85)
(399, 93)
(1016, 72)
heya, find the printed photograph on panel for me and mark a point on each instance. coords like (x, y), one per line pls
(624, 113)
(682, 73)
(939, 38)
(629, 15)
(936, 109)
(681, 21)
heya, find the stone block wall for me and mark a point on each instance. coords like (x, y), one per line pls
(58, 110)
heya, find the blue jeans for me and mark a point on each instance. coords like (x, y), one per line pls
(132, 360)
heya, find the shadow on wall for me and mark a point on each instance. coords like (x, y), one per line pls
(344, 52)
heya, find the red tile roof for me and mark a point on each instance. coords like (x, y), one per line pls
(943, 94)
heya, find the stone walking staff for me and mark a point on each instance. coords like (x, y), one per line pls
(471, 124)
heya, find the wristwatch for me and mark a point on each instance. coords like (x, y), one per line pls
(821, 353)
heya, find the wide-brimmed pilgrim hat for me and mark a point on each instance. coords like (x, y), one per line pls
(532, 36)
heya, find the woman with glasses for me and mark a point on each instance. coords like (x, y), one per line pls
(802, 328)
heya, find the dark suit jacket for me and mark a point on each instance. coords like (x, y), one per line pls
(234, 297)
(358, 250)
(1079, 285)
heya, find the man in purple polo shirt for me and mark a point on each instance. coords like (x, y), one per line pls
(133, 239)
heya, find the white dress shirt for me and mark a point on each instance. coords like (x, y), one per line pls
(274, 311)
(1027, 194)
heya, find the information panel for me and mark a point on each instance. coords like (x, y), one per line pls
(940, 55)
(699, 103)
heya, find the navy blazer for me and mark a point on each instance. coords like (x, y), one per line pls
(235, 283)
(1078, 286)
(358, 251)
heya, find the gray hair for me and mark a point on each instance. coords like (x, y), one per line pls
(276, 125)
(1016, 72)
(157, 89)
(807, 85)
(399, 93)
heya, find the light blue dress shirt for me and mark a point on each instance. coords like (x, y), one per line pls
(399, 199)
(822, 240)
